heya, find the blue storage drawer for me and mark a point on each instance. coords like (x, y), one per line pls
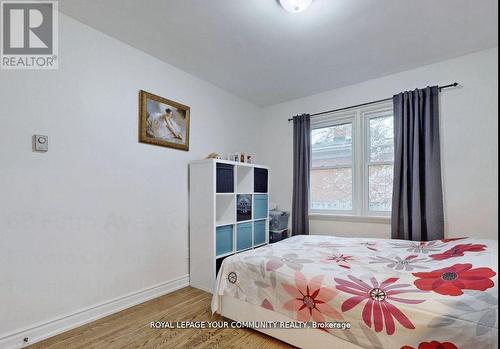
(224, 240)
(259, 232)
(243, 236)
(224, 178)
(260, 180)
(260, 206)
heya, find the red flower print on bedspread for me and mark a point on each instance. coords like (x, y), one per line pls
(458, 251)
(339, 259)
(379, 306)
(452, 280)
(266, 304)
(433, 345)
(310, 299)
(452, 239)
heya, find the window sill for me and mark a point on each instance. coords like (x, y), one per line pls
(349, 218)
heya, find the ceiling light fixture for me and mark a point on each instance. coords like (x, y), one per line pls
(295, 6)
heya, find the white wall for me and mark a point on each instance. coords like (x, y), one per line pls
(99, 216)
(469, 142)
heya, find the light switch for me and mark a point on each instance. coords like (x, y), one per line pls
(41, 143)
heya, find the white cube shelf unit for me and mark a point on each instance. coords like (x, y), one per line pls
(228, 213)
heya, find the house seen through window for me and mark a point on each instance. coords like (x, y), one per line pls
(352, 162)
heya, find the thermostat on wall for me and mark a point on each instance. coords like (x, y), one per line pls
(41, 143)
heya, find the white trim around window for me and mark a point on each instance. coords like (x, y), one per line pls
(361, 162)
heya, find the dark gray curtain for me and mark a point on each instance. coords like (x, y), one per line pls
(301, 167)
(417, 199)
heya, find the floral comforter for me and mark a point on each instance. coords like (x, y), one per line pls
(394, 293)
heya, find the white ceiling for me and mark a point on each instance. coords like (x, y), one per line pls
(257, 51)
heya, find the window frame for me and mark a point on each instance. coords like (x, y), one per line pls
(366, 116)
(323, 122)
(360, 119)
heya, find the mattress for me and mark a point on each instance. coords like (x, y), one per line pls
(374, 293)
(244, 313)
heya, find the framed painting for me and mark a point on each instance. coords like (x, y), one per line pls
(163, 122)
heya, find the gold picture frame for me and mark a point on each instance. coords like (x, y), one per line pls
(163, 122)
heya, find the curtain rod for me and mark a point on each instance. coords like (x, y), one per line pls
(455, 84)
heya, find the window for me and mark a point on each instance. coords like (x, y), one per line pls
(380, 163)
(332, 172)
(352, 162)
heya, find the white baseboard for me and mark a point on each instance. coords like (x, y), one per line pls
(41, 331)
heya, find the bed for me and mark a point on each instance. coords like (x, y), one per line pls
(365, 293)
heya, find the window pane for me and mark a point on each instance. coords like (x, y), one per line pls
(382, 139)
(332, 146)
(331, 189)
(380, 187)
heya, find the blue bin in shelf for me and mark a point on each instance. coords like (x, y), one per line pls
(259, 232)
(224, 178)
(260, 180)
(224, 240)
(260, 207)
(243, 236)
